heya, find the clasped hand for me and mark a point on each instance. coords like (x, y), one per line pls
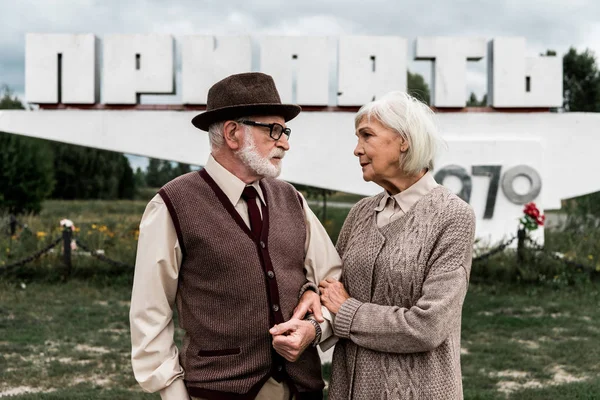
(291, 338)
(333, 294)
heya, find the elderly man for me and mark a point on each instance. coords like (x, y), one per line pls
(235, 249)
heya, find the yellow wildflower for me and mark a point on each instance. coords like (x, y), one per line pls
(590, 257)
(41, 235)
(94, 226)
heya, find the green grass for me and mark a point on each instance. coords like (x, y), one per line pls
(345, 197)
(531, 339)
(334, 219)
(73, 338)
(589, 390)
(86, 392)
(111, 226)
(531, 335)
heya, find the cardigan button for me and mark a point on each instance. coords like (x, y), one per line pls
(279, 368)
(275, 307)
(262, 244)
(271, 274)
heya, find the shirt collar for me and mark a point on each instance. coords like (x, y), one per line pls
(230, 184)
(384, 199)
(407, 198)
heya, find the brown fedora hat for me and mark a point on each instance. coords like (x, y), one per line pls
(241, 95)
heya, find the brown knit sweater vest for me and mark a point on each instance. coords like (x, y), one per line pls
(234, 287)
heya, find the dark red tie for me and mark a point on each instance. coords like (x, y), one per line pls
(249, 194)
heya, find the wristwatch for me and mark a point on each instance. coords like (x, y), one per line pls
(318, 331)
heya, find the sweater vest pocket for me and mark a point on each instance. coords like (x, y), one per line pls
(219, 353)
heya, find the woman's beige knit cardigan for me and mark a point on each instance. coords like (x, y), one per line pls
(400, 330)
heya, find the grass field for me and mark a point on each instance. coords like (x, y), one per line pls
(70, 340)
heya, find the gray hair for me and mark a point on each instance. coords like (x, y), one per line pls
(215, 133)
(414, 121)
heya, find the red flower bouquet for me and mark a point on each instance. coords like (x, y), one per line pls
(532, 218)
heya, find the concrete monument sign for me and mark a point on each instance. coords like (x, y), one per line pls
(63, 68)
(89, 93)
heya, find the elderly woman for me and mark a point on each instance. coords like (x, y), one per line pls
(407, 257)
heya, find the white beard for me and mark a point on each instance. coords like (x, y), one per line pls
(260, 165)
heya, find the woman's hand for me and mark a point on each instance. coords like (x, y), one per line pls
(309, 303)
(333, 294)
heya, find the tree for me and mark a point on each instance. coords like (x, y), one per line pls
(87, 173)
(160, 172)
(311, 192)
(165, 172)
(32, 169)
(581, 81)
(474, 102)
(153, 178)
(8, 100)
(140, 178)
(417, 87)
(26, 175)
(127, 183)
(181, 169)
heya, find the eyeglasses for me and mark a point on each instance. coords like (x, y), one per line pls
(275, 129)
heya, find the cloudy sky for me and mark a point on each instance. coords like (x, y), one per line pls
(546, 24)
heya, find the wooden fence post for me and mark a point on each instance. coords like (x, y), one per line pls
(67, 237)
(521, 235)
(13, 225)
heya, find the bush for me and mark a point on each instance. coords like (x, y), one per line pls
(571, 256)
(582, 207)
(535, 268)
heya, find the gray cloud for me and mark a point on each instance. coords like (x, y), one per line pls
(547, 24)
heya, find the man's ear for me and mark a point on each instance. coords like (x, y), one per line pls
(232, 133)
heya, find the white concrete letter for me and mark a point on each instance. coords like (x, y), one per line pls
(299, 66)
(208, 59)
(68, 61)
(369, 67)
(136, 64)
(449, 56)
(515, 80)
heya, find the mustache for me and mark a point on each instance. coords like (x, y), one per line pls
(277, 152)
